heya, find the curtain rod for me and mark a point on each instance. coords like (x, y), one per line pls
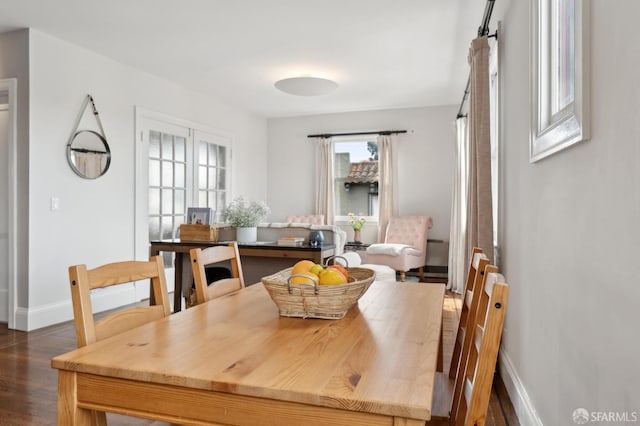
(379, 132)
(88, 151)
(483, 30)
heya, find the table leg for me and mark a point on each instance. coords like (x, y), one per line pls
(68, 411)
(177, 283)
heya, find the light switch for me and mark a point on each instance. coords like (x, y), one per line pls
(55, 204)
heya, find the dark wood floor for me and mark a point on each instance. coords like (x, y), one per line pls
(28, 384)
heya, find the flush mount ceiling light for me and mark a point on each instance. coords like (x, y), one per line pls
(306, 86)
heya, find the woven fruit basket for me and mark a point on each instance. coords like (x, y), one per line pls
(317, 301)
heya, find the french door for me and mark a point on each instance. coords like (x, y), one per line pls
(178, 165)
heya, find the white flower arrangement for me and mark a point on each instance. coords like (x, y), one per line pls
(356, 222)
(241, 214)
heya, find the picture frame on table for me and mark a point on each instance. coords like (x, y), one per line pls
(200, 215)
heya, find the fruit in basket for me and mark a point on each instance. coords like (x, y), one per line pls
(331, 276)
(302, 267)
(316, 269)
(305, 278)
(342, 269)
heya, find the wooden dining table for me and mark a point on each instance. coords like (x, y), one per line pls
(235, 360)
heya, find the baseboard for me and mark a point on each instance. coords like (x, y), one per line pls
(517, 393)
(22, 319)
(29, 319)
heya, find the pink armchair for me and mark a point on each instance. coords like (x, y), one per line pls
(405, 245)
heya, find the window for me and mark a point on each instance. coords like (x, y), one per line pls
(356, 177)
(559, 116)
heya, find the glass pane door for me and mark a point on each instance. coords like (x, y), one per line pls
(212, 179)
(163, 177)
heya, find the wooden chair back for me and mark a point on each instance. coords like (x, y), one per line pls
(470, 301)
(200, 258)
(470, 407)
(83, 280)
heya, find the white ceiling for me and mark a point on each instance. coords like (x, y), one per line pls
(383, 53)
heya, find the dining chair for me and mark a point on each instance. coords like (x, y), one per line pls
(471, 276)
(470, 405)
(446, 383)
(470, 300)
(201, 258)
(404, 246)
(465, 400)
(83, 281)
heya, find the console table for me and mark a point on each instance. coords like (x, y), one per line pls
(258, 259)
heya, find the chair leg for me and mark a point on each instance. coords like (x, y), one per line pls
(421, 271)
(99, 418)
(403, 275)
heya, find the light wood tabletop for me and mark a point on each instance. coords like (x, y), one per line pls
(234, 360)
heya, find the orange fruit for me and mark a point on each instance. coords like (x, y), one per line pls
(342, 269)
(302, 267)
(304, 279)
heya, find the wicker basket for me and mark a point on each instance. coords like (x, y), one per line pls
(317, 301)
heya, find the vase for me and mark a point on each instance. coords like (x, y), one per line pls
(316, 238)
(247, 235)
(356, 236)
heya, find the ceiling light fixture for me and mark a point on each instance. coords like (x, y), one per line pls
(306, 86)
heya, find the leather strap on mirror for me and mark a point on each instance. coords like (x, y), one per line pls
(85, 103)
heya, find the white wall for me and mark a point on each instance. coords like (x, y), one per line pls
(4, 208)
(95, 223)
(570, 233)
(425, 160)
(14, 63)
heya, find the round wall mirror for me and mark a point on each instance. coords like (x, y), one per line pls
(88, 154)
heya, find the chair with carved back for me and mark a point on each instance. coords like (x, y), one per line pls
(83, 280)
(201, 258)
(404, 246)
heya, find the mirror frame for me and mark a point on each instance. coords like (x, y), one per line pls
(70, 149)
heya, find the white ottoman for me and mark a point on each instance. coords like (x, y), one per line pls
(383, 272)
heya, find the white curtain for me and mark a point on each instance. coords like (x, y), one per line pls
(472, 214)
(457, 239)
(325, 191)
(480, 211)
(386, 182)
(90, 164)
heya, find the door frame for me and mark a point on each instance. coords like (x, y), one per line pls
(143, 118)
(10, 86)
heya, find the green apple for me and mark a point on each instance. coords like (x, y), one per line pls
(316, 269)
